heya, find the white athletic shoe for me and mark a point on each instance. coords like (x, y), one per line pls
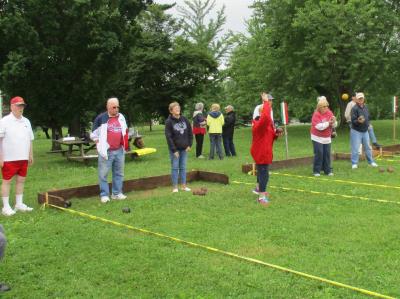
(104, 199)
(354, 166)
(186, 189)
(118, 196)
(373, 164)
(175, 190)
(7, 211)
(23, 208)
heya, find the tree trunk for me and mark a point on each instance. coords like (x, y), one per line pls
(151, 125)
(56, 133)
(74, 128)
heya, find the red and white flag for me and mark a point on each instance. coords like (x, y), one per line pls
(395, 104)
(284, 113)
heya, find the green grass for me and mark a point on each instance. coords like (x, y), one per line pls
(53, 254)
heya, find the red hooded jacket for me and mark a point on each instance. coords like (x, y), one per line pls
(263, 137)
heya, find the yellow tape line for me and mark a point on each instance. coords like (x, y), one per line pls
(325, 193)
(388, 160)
(336, 180)
(248, 259)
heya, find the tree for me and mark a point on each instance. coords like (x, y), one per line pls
(206, 34)
(312, 48)
(163, 66)
(65, 55)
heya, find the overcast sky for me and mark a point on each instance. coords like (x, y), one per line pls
(236, 11)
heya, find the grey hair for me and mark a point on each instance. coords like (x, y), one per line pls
(229, 107)
(199, 106)
(112, 100)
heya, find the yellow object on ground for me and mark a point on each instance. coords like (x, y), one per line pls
(144, 151)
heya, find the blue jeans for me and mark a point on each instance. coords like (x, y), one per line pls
(322, 157)
(229, 146)
(372, 134)
(178, 167)
(215, 143)
(357, 138)
(115, 162)
(262, 177)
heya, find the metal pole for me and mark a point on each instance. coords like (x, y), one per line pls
(286, 141)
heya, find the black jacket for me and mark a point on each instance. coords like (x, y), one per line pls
(178, 132)
(229, 125)
(356, 112)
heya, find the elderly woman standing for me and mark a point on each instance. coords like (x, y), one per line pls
(178, 132)
(215, 121)
(322, 123)
(199, 128)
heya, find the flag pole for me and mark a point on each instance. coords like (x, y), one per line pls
(285, 121)
(395, 99)
(286, 141)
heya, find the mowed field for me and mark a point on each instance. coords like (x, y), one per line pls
(343, 228)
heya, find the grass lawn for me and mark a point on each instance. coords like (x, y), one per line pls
(53, 254)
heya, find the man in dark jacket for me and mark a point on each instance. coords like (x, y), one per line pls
(359, 132)
(227, 131)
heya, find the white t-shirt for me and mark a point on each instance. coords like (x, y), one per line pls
(16, 136)
(257, 112)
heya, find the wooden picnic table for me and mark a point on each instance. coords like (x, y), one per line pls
(84, 146)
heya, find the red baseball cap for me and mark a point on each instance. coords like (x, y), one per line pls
(17, 101)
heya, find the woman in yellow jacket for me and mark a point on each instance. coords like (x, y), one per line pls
(215, 121)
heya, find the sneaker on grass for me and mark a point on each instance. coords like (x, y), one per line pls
(23, 208)
(373, 164)
(119, 196)
(263, 201)
(7, 211)
(104, 199)
(354, 166)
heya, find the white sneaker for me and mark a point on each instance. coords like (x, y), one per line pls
(7, 211)
(104, 199)
(373, 164)
(175, 190)
(317, 174)
(354, 166)
(330, 174)
(119, 196)
(187, 189)
(23, 208)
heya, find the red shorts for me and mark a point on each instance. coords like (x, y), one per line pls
(11, 168)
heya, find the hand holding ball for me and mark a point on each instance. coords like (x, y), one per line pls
(361, 119)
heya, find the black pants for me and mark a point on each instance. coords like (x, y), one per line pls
(322, 157)
(229, 146)
(262, 176)
(199, 144)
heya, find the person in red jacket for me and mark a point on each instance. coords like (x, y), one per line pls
(322, 123)
(264, 134)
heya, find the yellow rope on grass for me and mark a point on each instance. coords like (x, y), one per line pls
(325, 193)
(227, 253)
(336, 180)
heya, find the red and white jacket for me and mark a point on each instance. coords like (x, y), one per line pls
(264, 135)
(99, 133)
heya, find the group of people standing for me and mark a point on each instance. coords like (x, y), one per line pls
(220, 130)
(323, 124)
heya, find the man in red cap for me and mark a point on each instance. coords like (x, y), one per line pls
(15, 154)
